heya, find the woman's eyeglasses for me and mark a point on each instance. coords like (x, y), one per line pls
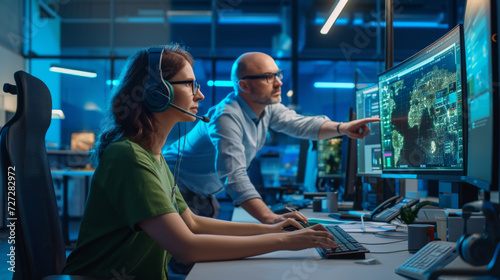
(194, 84)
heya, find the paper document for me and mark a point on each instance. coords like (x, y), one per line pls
(367, 227)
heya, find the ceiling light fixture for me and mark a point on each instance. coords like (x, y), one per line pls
(336, 9)
(73, 71)
(333, 85)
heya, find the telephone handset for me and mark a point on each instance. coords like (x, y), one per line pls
(385, 212)
(389, 209)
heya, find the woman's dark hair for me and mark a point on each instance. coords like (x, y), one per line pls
(127, 114)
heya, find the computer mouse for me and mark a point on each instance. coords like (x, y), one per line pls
(292, 228)
(368, 261)
(303, 224)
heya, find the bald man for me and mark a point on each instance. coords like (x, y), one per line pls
(217, 154)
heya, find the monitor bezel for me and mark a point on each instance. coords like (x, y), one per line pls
(436, 174)
(351, 168)
(365, 173)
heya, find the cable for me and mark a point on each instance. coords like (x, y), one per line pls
(182, 153)
(178, 154)
(364, 243)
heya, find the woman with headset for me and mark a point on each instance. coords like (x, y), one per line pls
(135, 218)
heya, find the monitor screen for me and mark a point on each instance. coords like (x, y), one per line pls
(482, 84)
(422, 128)
(289, 165)
(369, 152)
(330, 158)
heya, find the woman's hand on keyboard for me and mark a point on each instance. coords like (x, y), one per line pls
(287, 225)
(311, 237)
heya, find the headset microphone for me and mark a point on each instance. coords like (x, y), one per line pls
(202, 118)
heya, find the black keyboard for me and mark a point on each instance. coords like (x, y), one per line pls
(283, 208)
(349, 248)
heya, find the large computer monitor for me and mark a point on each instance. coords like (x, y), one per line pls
(369, 152)
(422, 127)
(481, 51)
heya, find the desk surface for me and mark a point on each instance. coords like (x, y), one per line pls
(307, 264)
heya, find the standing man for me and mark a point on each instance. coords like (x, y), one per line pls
(217, 154)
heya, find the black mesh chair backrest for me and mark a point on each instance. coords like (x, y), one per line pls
(39, 246)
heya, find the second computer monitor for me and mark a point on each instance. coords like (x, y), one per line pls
(369, 151)
(330, 158)
(421, 107)
(481, 49)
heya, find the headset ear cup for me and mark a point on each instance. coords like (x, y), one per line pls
(156, 100)
(460, 244)
(475, 249)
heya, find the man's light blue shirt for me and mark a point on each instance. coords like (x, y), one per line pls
(217, 154)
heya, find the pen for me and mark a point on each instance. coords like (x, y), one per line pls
(362, 223)
(290, 209)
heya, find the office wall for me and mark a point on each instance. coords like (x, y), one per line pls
(44, 39)
(11, 43)
(11, 62)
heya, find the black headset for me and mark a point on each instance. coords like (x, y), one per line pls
(478, 249)
(158, 93)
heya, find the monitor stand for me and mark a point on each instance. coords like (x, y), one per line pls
(357, 197)
(381, 189)
(455, 194)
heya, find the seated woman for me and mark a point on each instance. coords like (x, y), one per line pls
(135, 218)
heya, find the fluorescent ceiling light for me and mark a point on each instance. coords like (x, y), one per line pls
(413, 24)
(58, 114)
(337, 8)
(249, 18)
(333, 85)
(145, 19)
(73, 71)
(220, 83)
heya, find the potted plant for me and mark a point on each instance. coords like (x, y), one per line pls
(408, 215)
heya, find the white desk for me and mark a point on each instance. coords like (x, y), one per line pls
(307, 264)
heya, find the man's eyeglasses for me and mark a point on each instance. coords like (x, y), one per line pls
(270, 78)
(194, 85)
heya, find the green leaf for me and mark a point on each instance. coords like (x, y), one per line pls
(408, 215)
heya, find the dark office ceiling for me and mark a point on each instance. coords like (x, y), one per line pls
(103, 27)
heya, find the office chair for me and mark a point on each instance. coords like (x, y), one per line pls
(26, 177)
